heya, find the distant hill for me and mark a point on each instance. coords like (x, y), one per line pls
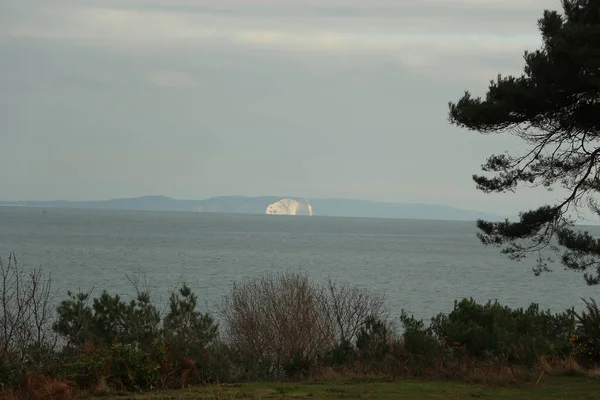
(258, 205)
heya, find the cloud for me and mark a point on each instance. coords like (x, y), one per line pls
(155, 22)
(423, 35)
(467, 40)
(368, 41)
(172, 80)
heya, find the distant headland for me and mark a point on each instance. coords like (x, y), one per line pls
(286, 205)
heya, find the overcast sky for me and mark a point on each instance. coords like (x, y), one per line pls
(192, 99)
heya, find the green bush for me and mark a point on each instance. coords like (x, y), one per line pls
(342, 354)
(217, 364)
(585, 341)
(109, 320)
(11, 372)
(372, 340)
(419, 348)
(133, 368)
(121, 366)
(188, 331)
(417, 339)
(74, 319)
(89, 367)
(297, 366)
(492, 331)
(129, 345)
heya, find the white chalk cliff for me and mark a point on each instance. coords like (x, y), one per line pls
(290, 207)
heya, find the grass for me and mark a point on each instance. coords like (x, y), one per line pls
(551, 388)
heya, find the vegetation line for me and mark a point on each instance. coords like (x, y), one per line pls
(275, 327)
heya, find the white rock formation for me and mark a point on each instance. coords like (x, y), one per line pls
(290, 207)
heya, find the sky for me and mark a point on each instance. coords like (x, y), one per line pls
(191, 99)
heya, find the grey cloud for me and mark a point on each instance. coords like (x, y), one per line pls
(499, 17)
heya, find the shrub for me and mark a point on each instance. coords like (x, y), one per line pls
(190, 341)
(187, 330)
(74, 320)
(217, 364)
(372, 340)
(288, 325)
(121, 366)
(129, 345)
(343, 353)
(418, 340)
(26, 339)
(492, 331)
(26, 310)
(585, 341)
(419, 348)
(275, 326)
(34, 386)
(108, 321)
(11, 372)
(133, 368)
(348, 307)
(276, 320)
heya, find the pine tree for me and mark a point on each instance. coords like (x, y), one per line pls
(554, 107)
(186, 326)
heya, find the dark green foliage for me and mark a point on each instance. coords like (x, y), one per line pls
(419, 350)
(116, 321)
(133, 368)
(144, 326)
(342, 354)
(297, 366)
(128, 345)
(473, 333)
(372, 340)
(372, 345)
(110, 323)
(419, 340)
(217, 364)
(74, 319)
(186, 329)
(121, 366)
(492, 331)
(586, 340)
(112, 340)
(11, 372)
(109, 320)
(554, 107)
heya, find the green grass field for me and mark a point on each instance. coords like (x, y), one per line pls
(568, 388)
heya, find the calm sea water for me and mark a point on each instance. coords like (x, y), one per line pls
(423, 266)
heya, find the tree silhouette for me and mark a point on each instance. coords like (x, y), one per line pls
(554, 107)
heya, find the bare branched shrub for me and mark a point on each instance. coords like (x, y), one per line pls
(26, 311)
(348, 307)
(276, 319)
(285, 324)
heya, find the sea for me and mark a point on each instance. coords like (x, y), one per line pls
(422, 266)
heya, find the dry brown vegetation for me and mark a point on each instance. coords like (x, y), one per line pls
(26, 311)
(35, 386)
(284, 321)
